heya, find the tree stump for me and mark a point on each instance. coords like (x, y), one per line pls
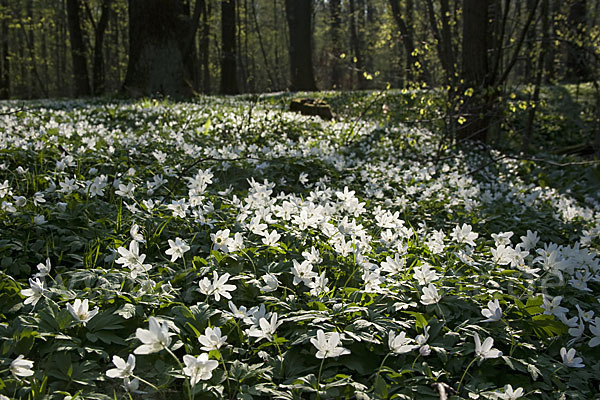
(312, 107)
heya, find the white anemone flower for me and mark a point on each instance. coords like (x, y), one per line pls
(177, 248)
(81, 312)
(400, 344)
(430, 295)
(485, 350)
(20, 366)
(35, 292)
(327, 345)
(493, 312)
(212, 339)
(198, 368)
(569, 359)
(124, 368)
(154, 339)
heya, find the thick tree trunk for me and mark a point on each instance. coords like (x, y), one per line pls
(156, 61)
(205, 47)
(98, 74)
(5, 62)
(299, 17)
(228, 50)
(82, 81)
(355, 47)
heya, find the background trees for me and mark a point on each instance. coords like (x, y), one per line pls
(80, 47)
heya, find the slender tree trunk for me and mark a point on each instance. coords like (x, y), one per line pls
(475, 69)
(205, 47)
(270, 73)
(355, 46)
(98, 72)
(577, 68)
(229, 83)
(82, 82)
(413, 61)
(299, 17)
(539, 74)
(5, 62)
(336, 24)
(157, 30)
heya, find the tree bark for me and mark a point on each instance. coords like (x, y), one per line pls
(412, 58)
(82, 81)
(98, 73)
(5, 62)
(205, 47)
(336, 23)
(577, 68)
(228, 50)
(475, 69)
(299, 17)
(156, 61)
(355, 46)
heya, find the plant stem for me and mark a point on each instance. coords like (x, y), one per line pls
(319, 378)
(464, 374)
(145, 382)
(187, 381)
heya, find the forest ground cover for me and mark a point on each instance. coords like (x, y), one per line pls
(226, 248)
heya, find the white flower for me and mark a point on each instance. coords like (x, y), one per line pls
(21, 366)
(393, 265)
(43, 269)
(198, 368)
(319, 285)
(35, 292)
(327, 345)
(132, 259)
(218, 287)
(212, 339)
(493, 313)
(265, 328)
(509, 393)
(430, 295)
(303, 272)
(178, 248)
(80, 310)
(126, 190)
(271, 239)
(400, 344)
(221, 240)
(552, 307)
(569, 359)
(425, 275)
(154, 339)
(135, 233)
(485, 350)
(464, 234)
(124, 369)
(424, 348)
(595, 329)
(271, 283)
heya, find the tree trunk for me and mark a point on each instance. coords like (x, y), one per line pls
(355, 47)
(205, 47)
(5, 62)
(98, 73)
(475, 69)
(82, 81)
(156, 61)
(299, 17)
(336, 23)
(577, 66)
(414, 65)
(228, 50)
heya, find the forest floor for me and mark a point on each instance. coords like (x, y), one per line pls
(228, 248)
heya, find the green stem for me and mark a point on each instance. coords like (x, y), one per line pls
(319, 379)
(381, 366)
(145, 382)
(187, 381)
(225, 369)
(465, 374)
